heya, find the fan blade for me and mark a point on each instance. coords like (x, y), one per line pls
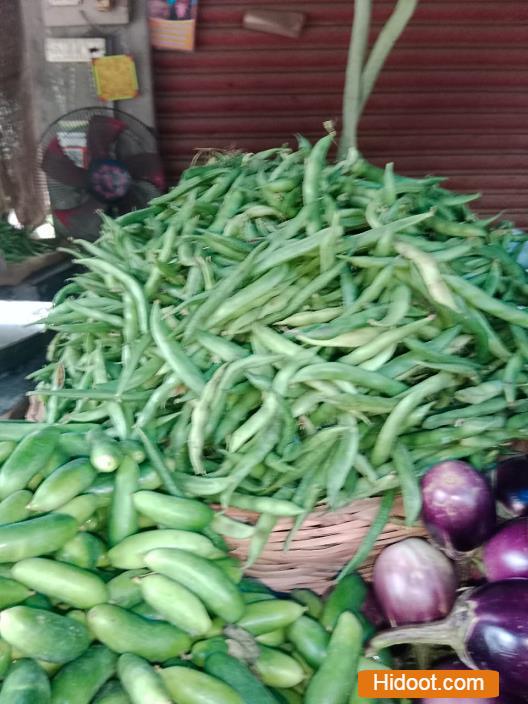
(146, 167)
(102, 132)
(57, 165)
(82, 220)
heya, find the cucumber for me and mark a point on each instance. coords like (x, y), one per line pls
(145, 610)
(58, 580)
(50, 668)
(273, 638)
(133, 449)
(125, 632)
(79, 680)
(349, 594)
(36, 536)
(62, 485)
(129, 554)
(43, 635)
(309, 639)
(144, 522)
(123, 519)
(6, 448)
(124, 590)
(277, 669)
(188, 686)
(265, 616)
(253, 597)
(288, 696)
(26, 683)
(334, 681)
(202, 649)
(79, 615)
(74, 444)
(12, 592)
(176, 604)
(97, 522)
(173, 512)
(57, 458)
(14, 508)
(29, 457)
(5, 658)
(34, 482)
(141, 681)
(18, 429)
(370, 664)
(239, 677)
(85, 550)
(112, 693)
(231, 567)
(103, 485)
(38, 601)
(83, 506)
(308, 598)
(105, 453)
(148, 477)
(202, 577)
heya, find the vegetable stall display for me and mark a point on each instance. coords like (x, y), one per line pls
(124, 593)
(289, 331)
(281, 330)
(278, 332)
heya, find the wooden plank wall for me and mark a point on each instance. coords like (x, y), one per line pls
(452, 100)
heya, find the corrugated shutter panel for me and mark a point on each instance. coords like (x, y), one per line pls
(452, 100)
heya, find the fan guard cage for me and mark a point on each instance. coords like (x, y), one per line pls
(98, 159)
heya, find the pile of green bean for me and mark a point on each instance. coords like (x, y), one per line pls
(116, 592)
(16, 245)
(280, 331)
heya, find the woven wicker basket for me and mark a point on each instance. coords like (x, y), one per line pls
(323, 545)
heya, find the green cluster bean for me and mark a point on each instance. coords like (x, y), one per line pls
(398, 308)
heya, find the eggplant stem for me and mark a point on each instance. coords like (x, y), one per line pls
(438, 633)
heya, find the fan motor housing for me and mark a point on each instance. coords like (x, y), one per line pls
(109, 179)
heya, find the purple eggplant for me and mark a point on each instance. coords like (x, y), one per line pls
(414, 582)
(454, 664)
(458, 507)
(487, 628)
(505, 555)
(511, 485)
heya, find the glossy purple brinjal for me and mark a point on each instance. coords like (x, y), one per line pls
(505, 555)
(458, 507)
(511, 485)
(454, 664)
(414, 582)
(487, 628)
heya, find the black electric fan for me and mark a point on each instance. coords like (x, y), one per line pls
(98, 160)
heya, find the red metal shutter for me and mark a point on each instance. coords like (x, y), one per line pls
(452, 100)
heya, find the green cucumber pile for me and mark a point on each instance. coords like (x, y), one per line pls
(127, 595)
(281, 331)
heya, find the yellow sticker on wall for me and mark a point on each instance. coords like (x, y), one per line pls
(115, 77)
